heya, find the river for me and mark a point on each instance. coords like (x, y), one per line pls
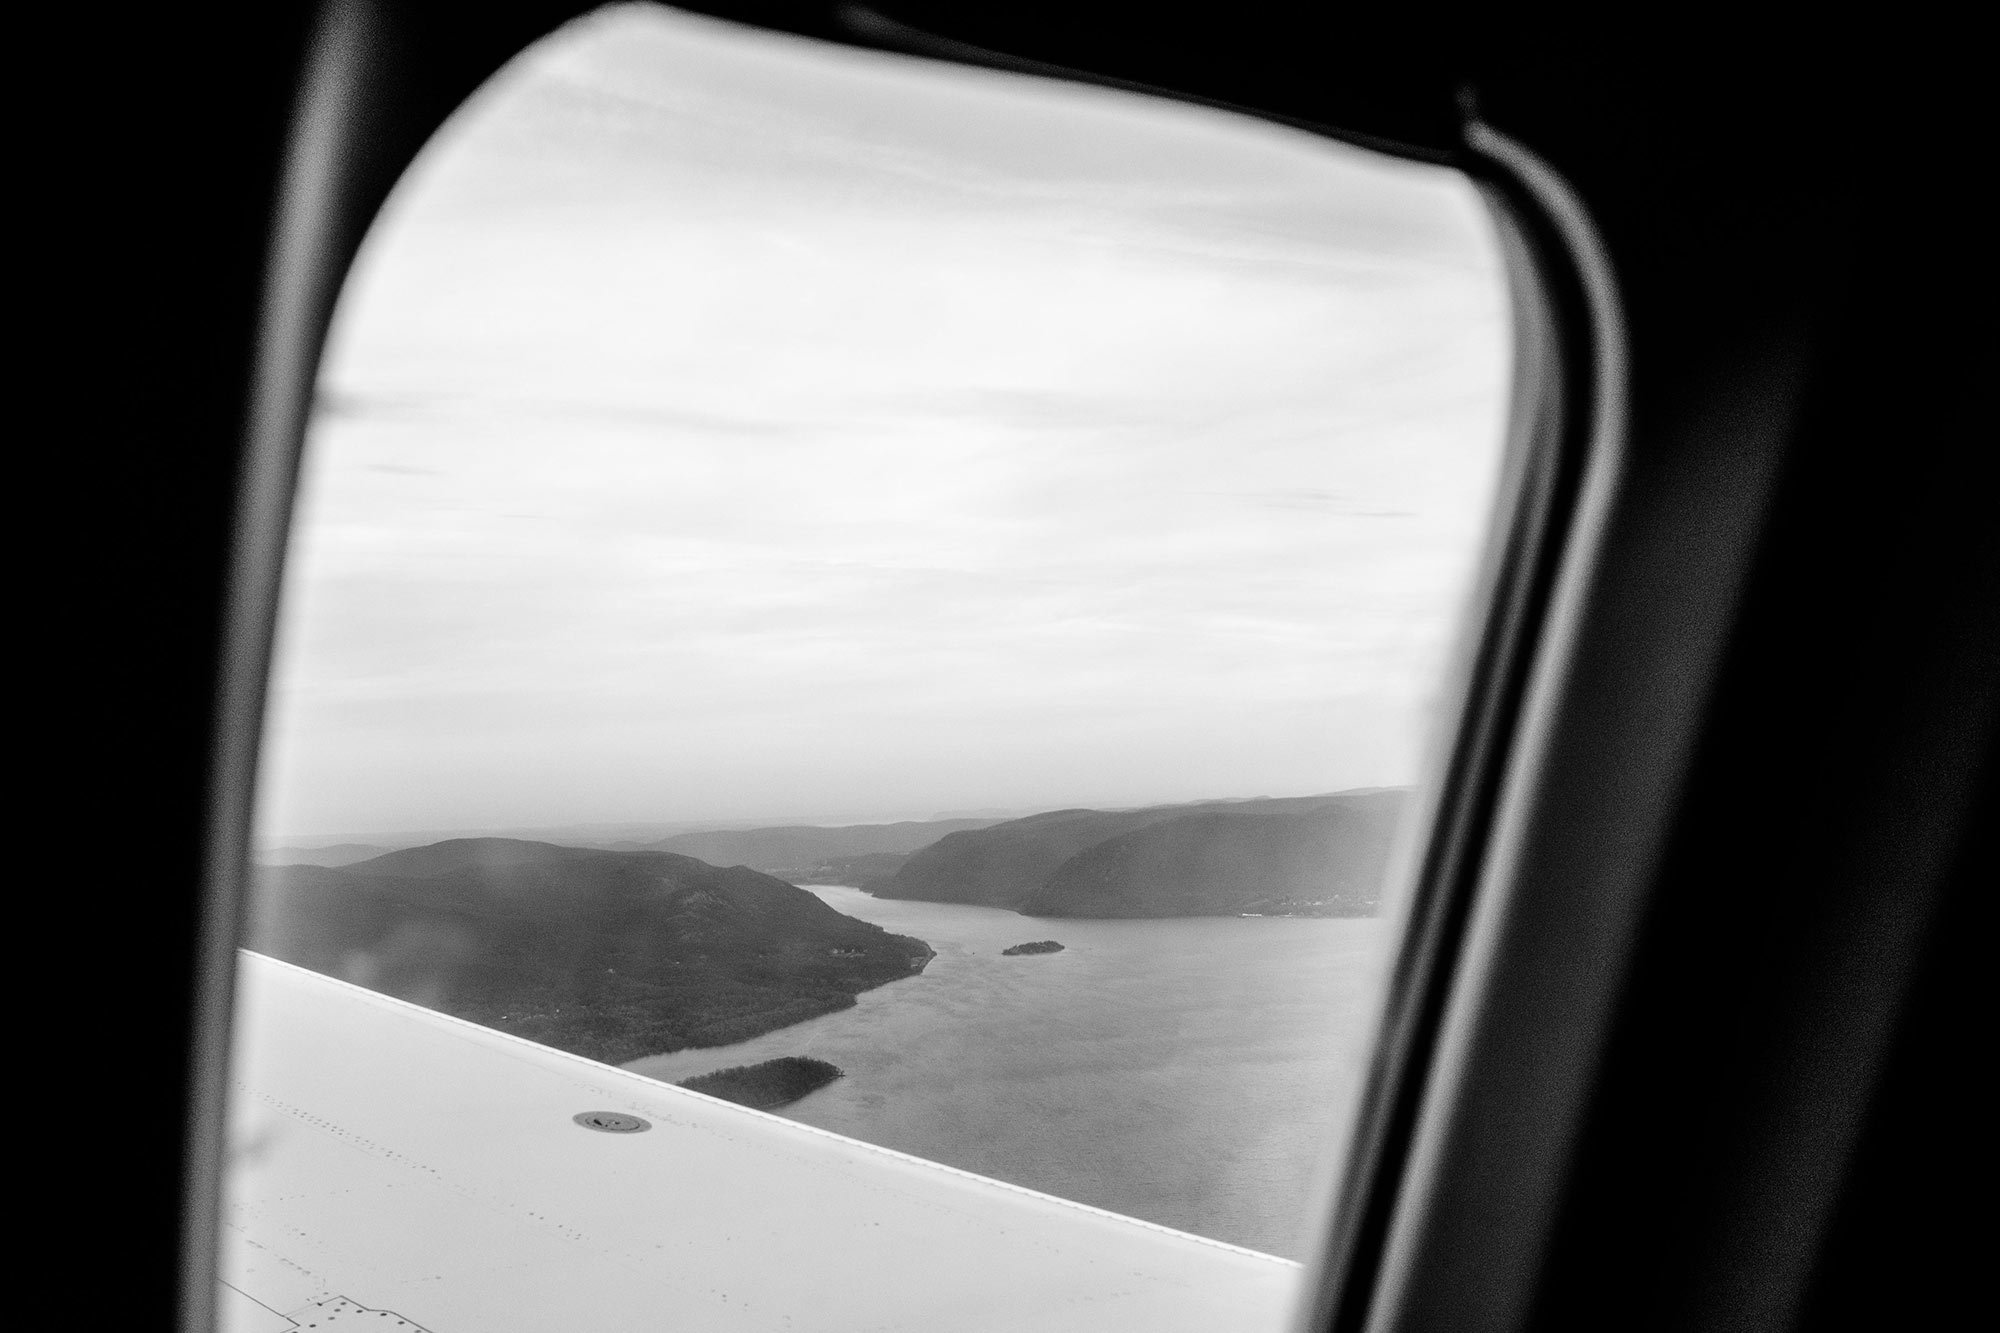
(1190, 1072)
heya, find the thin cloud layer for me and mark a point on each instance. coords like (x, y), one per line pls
(719, 425)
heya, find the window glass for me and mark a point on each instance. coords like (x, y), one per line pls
(752, 478)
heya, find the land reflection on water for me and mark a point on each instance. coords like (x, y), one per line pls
(1191, 1072)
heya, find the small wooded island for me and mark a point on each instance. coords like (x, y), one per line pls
(768, 1085)
(1036, 946)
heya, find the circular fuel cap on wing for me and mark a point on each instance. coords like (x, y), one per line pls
(611, 1122)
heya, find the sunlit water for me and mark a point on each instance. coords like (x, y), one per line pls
(1191, 1072)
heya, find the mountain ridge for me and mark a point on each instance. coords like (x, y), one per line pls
(610, 955)
(1322, 855)
(795, 846)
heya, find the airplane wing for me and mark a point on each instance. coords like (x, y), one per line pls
(395, 1168)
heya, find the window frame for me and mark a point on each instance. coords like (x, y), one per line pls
(377, 84)
(1557, 834)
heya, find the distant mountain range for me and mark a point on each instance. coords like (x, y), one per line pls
(608, 954)
(862, 872)
(1300, 856)
(339, 854)
(784, 847)
(800, 847)
(627, 835)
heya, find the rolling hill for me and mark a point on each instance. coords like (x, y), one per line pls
(1311, 856)
(339, 854)
(1324, 861)
(610, 955)
(799, 846)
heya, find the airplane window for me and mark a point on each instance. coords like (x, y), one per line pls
(907, 599)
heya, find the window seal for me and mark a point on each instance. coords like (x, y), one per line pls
(1560, 467)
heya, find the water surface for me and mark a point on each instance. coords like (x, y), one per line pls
(1190, 1072)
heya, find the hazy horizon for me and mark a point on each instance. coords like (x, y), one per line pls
(635, 829)
(719, 426)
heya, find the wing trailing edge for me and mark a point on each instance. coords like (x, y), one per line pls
(432, 1173)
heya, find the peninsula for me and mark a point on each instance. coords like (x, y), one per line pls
(606, 954)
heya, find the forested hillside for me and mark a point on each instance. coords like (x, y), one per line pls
(611, 955)
(1302, 856)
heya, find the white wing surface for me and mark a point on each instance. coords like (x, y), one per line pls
(394, 1168)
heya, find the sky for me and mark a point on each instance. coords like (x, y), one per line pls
(724, 427)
